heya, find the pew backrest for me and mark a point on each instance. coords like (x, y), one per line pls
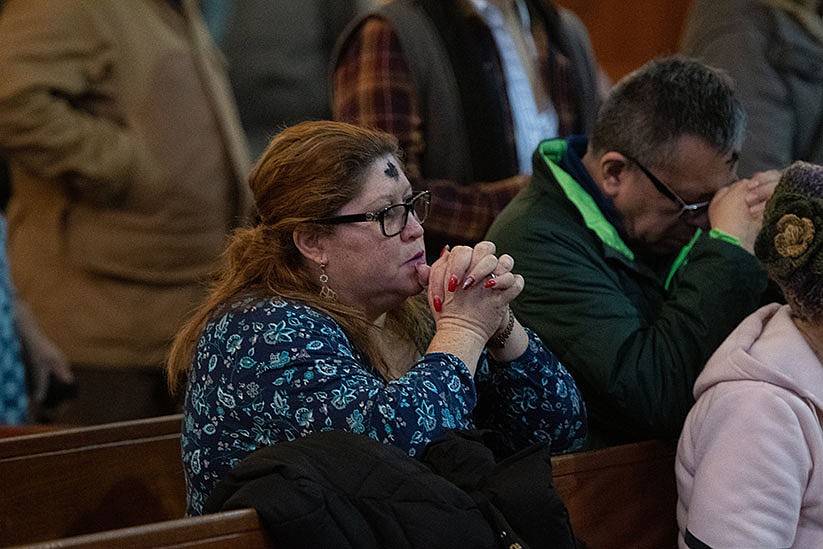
(107, 481)
(7, 431)
(90, 479)
(622, 496)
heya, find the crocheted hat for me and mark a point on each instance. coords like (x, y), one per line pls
(790, 243)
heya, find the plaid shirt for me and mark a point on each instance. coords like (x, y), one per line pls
(373, 87)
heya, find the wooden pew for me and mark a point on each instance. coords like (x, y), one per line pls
(226, 530)
(623, 496)
(108, 477)
(90, 479)
(7, 431)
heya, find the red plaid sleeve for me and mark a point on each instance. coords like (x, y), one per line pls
(373, 87)
(463, 213)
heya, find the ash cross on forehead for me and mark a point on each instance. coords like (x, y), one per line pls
(391, 171)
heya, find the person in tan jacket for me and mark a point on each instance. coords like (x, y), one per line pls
(128, 167)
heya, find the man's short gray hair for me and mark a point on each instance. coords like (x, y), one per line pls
(667, 98)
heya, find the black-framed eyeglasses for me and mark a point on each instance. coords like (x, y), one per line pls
(685, 208)
(392, 218)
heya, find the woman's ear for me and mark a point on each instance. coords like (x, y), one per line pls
(310, 244)
(613, 171)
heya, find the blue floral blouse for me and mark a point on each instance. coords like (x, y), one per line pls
(274, 370)
(13, 397)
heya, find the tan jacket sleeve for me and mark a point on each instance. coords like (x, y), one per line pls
(56, 119)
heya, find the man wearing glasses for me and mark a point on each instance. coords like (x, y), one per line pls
(637, 246)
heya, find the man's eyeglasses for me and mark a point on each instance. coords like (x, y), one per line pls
(392, 218)
(692, 210)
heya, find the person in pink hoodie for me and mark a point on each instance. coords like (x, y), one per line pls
(750, 458)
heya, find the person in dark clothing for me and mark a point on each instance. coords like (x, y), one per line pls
(637, 245)
(469, 87)
(277, 52)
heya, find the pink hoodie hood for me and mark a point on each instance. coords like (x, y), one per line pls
(751, 352)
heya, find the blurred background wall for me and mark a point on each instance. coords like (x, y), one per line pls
(627, 34)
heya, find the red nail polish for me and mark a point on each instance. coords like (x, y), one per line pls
(452, 283)
(438, 304)
(489, 283)
(468, 282)
(444, 250)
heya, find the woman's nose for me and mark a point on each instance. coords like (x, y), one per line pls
(413, 228)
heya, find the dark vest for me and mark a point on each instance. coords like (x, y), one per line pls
(458, 80)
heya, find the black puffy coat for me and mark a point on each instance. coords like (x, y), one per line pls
(342, 490)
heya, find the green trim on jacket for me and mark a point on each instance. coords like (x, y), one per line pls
(633, 347)
(551, 151)
(684, 253)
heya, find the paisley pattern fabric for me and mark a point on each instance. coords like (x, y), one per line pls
(274, 370)
(13, 399)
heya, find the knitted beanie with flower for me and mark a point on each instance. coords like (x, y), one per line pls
(790, 243)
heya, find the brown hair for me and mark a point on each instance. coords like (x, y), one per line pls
(308, 171)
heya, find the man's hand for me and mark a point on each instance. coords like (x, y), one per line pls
(738, 208)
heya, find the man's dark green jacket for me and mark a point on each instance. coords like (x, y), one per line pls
(634, 338)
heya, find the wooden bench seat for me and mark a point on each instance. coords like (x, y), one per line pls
(108, 480)
(226, 530)
(89, 479)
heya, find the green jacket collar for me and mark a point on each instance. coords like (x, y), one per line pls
(551, 151)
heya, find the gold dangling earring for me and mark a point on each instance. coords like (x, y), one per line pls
(325, 291)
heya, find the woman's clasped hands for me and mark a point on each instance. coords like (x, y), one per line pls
(469, 291)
